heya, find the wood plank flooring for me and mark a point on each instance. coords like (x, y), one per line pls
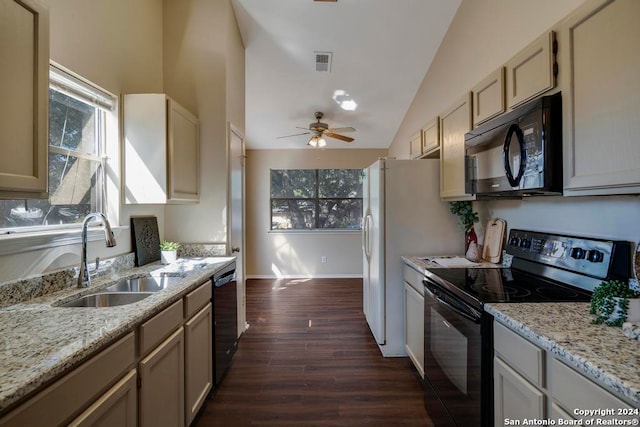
(309, 359)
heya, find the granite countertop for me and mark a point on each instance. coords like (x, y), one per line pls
(421, 262)
(601, 352)
(40, 341)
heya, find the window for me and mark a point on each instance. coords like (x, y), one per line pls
(77, 120)
(306, 199)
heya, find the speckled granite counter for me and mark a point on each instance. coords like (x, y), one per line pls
(600, 352)
(39, 342)
(420, 263)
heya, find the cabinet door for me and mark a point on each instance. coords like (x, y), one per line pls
(431, 138)
(116, 408)
(198, 360)
(530, 72)
(414, 327)
(24, 106)
(514, 397)
(415, 146)
(488, 97)
(453, 125)
(184, 154)
(162, 384)
(600, 98)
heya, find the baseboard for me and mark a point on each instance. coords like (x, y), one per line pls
(304, 276)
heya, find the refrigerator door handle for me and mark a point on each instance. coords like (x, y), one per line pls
(367, 236)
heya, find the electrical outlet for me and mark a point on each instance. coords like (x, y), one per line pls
(324, 259)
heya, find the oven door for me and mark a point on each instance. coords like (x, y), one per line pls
(452, 359)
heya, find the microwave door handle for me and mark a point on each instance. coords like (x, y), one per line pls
(514, 128)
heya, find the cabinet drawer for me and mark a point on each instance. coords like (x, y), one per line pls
(197, 299)
(56, 404)
(574, 391)
(519, 353)
(160, 326)
(413, 278)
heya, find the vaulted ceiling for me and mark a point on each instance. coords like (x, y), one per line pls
(380, 52)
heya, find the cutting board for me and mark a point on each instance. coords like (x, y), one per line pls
(493, 237)
(146, 239)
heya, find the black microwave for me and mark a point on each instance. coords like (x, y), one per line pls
(518, 153)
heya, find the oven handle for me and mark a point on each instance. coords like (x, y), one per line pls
(428, 283)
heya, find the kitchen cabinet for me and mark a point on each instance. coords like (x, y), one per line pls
(532, 71)
(162, 384)
(24, 106)
(414, 317)
(514, 397)
(600, 98)
(116, 408)
(198, 350)
(161, 151)
(415, 146)
(488, 97)
(431, 139)
(454, 123)
(87, 384)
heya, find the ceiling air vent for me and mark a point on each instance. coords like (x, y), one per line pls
(323, 61)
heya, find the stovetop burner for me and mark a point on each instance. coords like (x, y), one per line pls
(492, 285)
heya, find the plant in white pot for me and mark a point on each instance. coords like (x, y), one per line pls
(614, 303)
(168, 251)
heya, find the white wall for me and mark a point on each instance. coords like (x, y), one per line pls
(296, 254)
(116, 44)
(484, 34)
(204, 71)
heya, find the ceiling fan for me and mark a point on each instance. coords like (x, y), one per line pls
(318, 130)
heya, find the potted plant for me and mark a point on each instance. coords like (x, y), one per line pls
(168, 251)
(467, 218)
(613, 302)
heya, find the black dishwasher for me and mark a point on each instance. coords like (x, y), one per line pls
(225, 319)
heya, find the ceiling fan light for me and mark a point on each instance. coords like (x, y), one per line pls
(322, 143)
(313, 141)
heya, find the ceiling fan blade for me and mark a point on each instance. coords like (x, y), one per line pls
(342, 130)
(298, 127)
(295, 134)
(336, 136)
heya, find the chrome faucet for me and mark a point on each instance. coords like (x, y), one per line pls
(84, 279)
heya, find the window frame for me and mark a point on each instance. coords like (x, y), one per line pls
(30, 238)
(316, 199)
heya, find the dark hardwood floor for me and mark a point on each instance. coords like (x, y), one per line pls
(309, 359)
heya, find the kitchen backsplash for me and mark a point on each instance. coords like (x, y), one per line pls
(189, 250)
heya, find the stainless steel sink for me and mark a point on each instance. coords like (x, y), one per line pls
(144, 284)
(106, 299)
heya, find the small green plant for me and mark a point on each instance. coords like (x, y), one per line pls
(169, 246)
(465, 214)
(608, 296)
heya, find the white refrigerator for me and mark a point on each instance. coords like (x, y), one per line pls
(402, 216)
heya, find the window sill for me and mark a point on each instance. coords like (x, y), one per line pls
(316, 231)
(19, 242)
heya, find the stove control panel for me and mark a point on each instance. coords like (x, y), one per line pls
(598, 258)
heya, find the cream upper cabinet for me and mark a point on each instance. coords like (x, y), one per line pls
(24, 106)
(531, 72)
(488, 97)
(161, 151)
(431, 139)
(415, 145)
(601, 98)
(454, 123)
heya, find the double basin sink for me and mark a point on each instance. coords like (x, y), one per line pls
(126, 291)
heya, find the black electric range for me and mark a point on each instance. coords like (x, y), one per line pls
(458, 342)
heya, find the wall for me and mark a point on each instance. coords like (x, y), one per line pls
(298, 254)
(483, 35)
(116, 44)
(204, 71)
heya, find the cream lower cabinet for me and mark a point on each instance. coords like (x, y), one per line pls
(515, 398)
(116, 408)
(414, 317)
(198, 360)
(454, 123)
(89, 385)
(162, 384)
(600, 96)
